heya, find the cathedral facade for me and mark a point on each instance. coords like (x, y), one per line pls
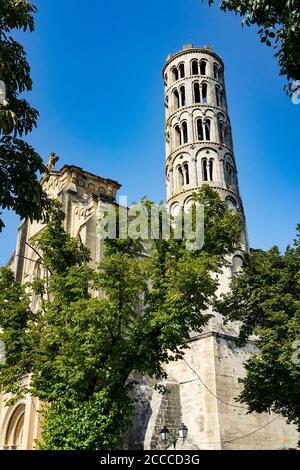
(202, 388)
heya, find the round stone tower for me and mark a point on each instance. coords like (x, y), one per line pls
(199, 146)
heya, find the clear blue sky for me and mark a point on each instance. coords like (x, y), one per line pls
(96, 67)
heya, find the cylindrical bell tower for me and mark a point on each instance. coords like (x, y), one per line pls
(199, 146)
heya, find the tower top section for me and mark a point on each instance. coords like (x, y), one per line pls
(199, 147)
(192, 49)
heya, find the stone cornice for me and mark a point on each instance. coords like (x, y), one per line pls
(201, 144)
(216, 334)
(201, 78)
(217, 188)
(71, 177)
(197, 106)
(87, 174)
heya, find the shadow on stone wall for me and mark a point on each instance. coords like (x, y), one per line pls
(153, 411)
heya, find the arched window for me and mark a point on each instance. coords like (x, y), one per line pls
(218, 96)
(222, 99)
(226, 136)
(204, 93)
(188, 204)
(166, 79)
(199, 126)
(186, 173)
(211, 169)
(231, 203)
(216, 71)
(38, 272)
(221, 132)
(175, 74)
(184, 132)
(182, 95)
(177, 136)
(195, 67)
(203, 67)
(197, 97)
(180, 179)
(181, 71)
(230, 176)
(176, 99)
(208, 169)
(204, 170)
(175, 209)
(207, 129)
(167, 102)
(237, 265)
(228, 169)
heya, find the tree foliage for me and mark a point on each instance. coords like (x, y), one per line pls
(92, 328)
(279, 27)
(265, 298)
(19, 163)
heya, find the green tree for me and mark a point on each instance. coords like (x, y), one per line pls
(265, 298)
(19, 163)
(279, 27)
(93, 328)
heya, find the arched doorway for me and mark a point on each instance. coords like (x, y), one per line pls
(14, 429)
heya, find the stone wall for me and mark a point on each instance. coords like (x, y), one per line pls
(202, 392)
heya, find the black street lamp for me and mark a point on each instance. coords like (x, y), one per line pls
(183, 432)
(164, 434)
(171, 438)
